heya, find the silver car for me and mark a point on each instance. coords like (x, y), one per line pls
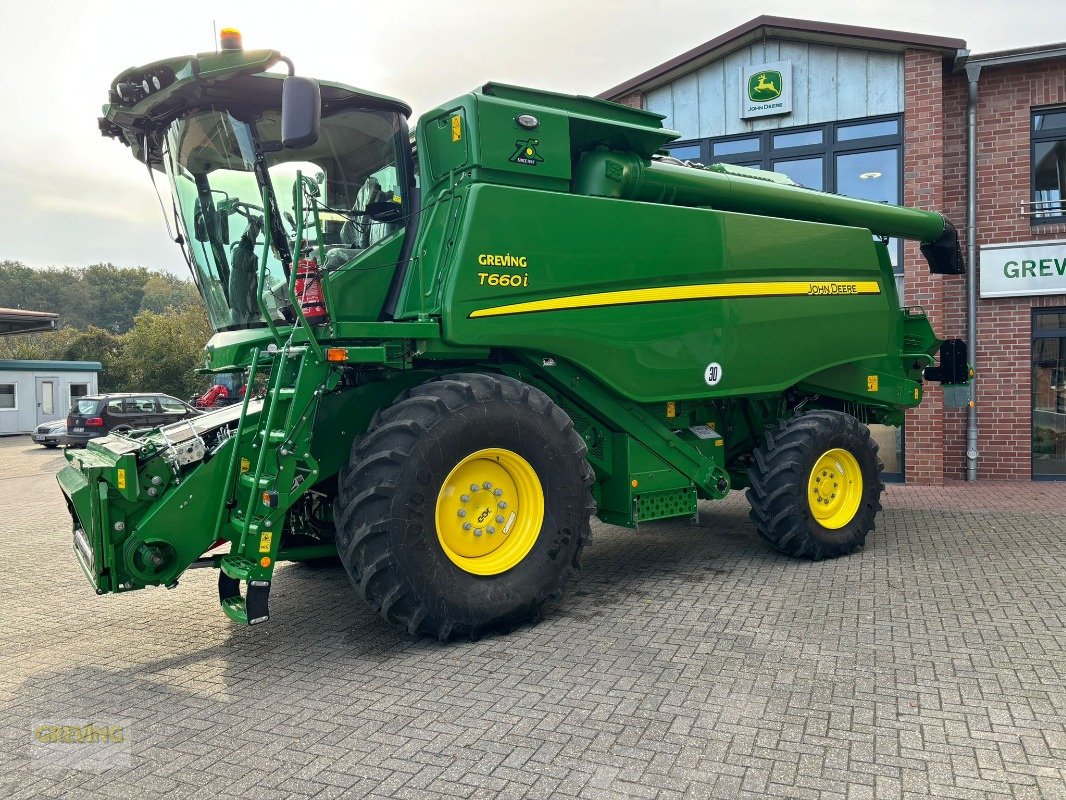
(51, 434)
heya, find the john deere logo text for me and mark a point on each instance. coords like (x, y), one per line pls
(833, 288)
(525, 152)
(765, 86)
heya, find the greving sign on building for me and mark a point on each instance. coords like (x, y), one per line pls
(1023, 268)
(766, 89)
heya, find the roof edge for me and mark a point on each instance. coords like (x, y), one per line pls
(12, 364)
(752, 29)
(1017, 55)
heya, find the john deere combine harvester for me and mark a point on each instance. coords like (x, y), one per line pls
(457, 352)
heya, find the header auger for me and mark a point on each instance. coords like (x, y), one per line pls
(456, 353)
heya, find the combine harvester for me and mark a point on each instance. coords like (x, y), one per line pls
(462, 351)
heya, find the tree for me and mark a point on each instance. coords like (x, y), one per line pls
(162, 351)
(38, 346)
(164, 292)
(147, 329)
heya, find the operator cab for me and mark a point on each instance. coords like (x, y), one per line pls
(213, 123)
(210, 159)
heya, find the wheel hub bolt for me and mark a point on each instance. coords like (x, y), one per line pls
(465, 498)
(487, 485)
(467, 526)
(462, 512)
(490, 529)
(502, 504)
(499, 520)
(497, 492)
(474, 487)
(477, 531)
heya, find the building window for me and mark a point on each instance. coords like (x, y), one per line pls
(1049, 394)
(1049, 165)
(7, 397)
(77, 390)
(686, 152)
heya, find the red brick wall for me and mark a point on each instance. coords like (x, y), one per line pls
(1006, 96)
(935, 178)
(923, 187)
(634, 100)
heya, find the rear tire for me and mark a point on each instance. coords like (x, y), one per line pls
(816, 485)
(401, 514)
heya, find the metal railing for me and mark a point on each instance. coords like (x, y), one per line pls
(1042, 209)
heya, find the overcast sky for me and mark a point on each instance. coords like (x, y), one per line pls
(69, 196)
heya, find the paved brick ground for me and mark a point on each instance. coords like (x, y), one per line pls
(686, 661)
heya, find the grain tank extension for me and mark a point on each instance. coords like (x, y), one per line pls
(461, 344)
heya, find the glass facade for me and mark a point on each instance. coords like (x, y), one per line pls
(1049, 394)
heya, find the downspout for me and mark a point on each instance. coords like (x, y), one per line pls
(973, 75)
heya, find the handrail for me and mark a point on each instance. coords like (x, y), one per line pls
(297, 198)
(222, 507)
(261, 277)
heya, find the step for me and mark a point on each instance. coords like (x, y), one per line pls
(248, 481)
(237, 567)
(250, 610)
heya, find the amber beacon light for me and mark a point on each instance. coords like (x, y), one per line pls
(230, 39)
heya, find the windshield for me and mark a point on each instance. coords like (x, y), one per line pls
(210, 161)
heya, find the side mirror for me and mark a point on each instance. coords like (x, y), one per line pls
(301, 112)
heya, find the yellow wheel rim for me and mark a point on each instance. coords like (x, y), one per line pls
(834, 488)
(489, 511)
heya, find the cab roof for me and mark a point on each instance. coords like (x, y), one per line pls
(142, 101)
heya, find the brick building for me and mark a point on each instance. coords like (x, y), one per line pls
(884, 115)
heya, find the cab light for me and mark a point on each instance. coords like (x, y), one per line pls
(94, 422)
(336, 354)
(230, 39)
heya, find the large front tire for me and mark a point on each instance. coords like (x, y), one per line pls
(464, 507)
(816, 485)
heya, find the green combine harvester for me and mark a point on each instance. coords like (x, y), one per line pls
(459, 346)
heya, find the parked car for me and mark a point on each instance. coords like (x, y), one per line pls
(51, 434)
(99, 415)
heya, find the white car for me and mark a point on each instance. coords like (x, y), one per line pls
(51, 434)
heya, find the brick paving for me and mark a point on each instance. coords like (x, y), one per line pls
(685, 661)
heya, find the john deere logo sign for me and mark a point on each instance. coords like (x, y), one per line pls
(766, 89)
(765, 86)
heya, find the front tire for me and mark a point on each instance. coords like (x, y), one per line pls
(815, 488)
(464, 507)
